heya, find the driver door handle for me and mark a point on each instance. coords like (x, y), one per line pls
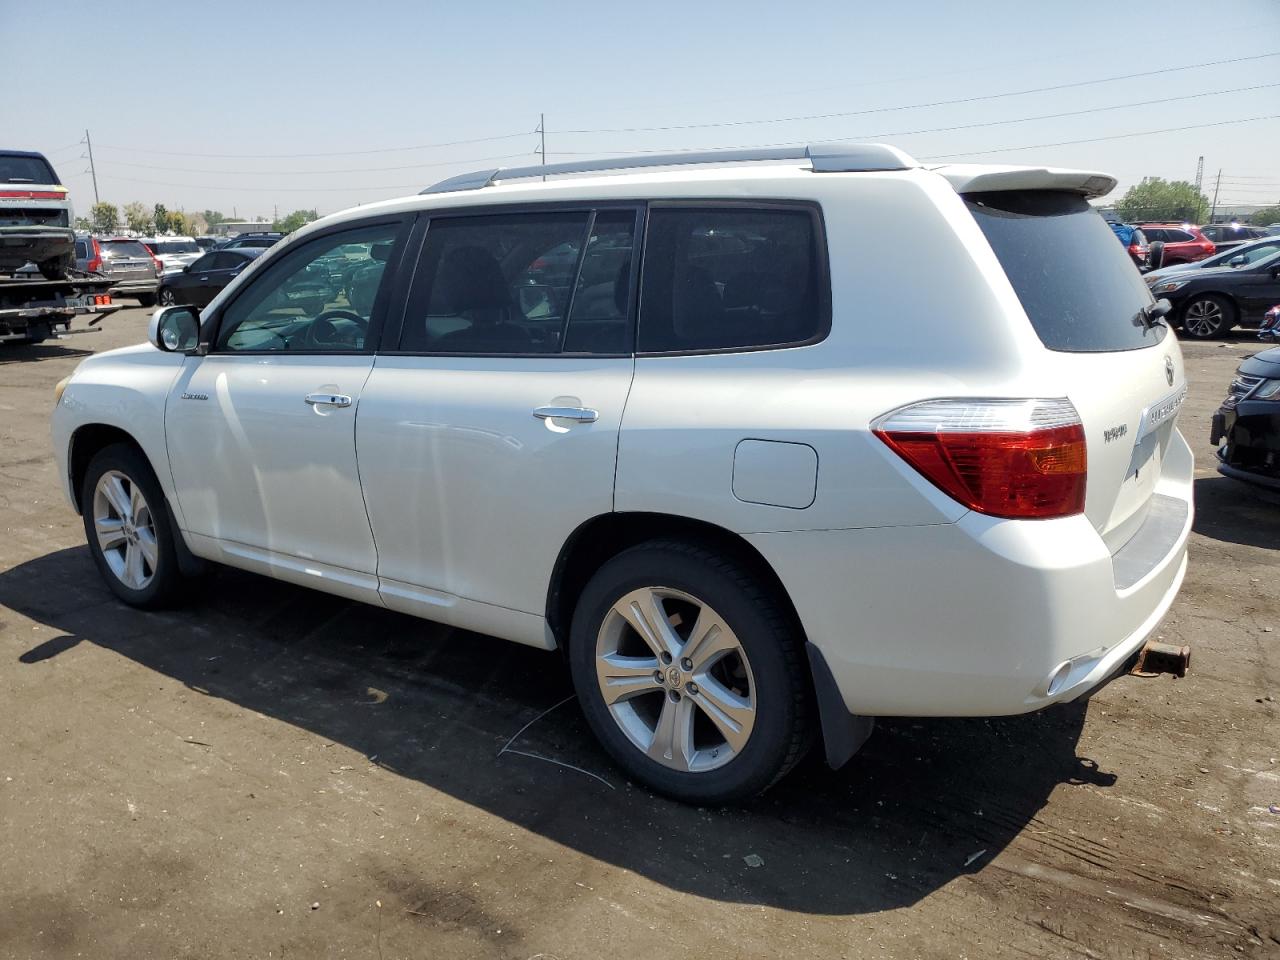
(580, 414)
(327, 400)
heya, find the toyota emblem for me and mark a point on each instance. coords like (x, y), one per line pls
(1168, 370)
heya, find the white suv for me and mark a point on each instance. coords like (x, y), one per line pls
(766, 444)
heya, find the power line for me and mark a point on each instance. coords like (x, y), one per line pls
(917, 106)
(339, 153)
(410, 166)
(1118, 136)
(350, 189)
(963, 126)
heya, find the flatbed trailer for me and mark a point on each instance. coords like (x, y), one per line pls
(33, 309)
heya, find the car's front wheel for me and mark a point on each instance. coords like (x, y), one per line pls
(689, 672)
(167, 299)
(129, 529)
(1206, 316)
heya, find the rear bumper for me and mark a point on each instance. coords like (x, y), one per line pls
(984, 617)
(133, 287)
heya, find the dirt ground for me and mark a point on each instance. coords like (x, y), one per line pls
(275, 773)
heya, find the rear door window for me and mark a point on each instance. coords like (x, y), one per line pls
(1076, 284)
(729, 277)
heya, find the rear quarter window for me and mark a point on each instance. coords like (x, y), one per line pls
(19, 169)
(730, 277)
(1079, 288)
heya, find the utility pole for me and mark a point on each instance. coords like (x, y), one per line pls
(1199, 174)
(92, 170)
(542, 129)
(1214, 211)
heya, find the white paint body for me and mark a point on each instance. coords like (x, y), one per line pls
(437, 493)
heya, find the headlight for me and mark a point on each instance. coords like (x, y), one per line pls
(58, 388)
(1266, 390)
(1168, 286)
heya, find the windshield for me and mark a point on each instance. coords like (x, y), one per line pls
(1078, 286)
(15, 169)
(123, 250)
(174, 246)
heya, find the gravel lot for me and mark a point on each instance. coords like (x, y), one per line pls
(276, 773)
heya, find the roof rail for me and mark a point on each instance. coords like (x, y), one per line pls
(824, 158)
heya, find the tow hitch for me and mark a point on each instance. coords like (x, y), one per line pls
(1156, 658)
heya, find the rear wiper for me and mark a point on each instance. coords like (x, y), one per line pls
(1152, 312)
(19, 180)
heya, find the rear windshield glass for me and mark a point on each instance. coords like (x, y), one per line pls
(26, 170)
(123, 250)
(174, 246)
(1078, 286)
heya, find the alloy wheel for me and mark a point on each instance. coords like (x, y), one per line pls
(167, 298)
(1204, 318)
(125, 529)
(675, 679)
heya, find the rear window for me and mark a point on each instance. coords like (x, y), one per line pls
(1079, 288)
(14, 169)
(174, 246)
(730, 278)
(123, 250)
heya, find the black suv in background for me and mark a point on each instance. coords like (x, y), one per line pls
(1209, 301)
(1228, 235)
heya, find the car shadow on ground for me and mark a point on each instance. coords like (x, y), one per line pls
(437, 705)
(1235, 512)
(28, 352)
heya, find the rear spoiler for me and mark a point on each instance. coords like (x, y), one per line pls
(980, 179)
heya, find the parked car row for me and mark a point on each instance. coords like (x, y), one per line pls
(1247, 424)
(1230, 289)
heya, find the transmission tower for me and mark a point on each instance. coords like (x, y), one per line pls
(1199, 174)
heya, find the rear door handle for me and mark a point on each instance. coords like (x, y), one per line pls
(327, 400)
(579, 414)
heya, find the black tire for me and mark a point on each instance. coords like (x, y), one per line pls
(56, 268)
(770, 642)
(1207, 315)
(146, 299)
(166, 297)
(1155, 255)
(166, 584)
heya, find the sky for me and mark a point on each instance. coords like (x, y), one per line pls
(264, 107)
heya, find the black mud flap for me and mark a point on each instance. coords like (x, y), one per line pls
(843, 733)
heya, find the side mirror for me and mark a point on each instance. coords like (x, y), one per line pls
(174, 329)
(187, 268)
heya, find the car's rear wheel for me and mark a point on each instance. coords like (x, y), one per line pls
(1207, 315)
(129, 529)
(146, 299)
(689, 672)
(56, 268)
(167, 299)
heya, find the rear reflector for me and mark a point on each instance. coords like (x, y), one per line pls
(1022, 459)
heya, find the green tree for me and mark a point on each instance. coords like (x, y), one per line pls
(1157, 199)
(105, 217)
(84, 223)
(137, 217)
(161, 218)
(295, 220)
(178, 222)
(212, 218)
(1266, 216)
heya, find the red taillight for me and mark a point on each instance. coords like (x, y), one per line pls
(1022, 459)
(32, 195)
(95, 262)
